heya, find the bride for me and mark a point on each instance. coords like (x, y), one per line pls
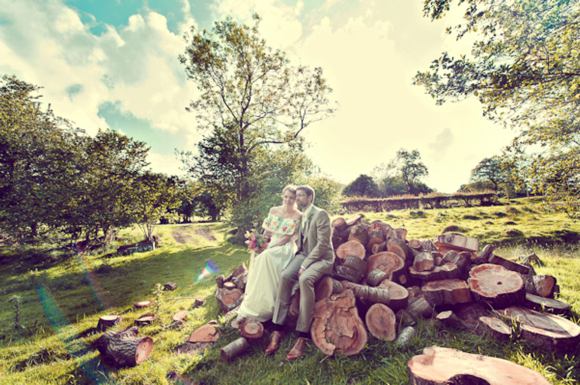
(265, 268)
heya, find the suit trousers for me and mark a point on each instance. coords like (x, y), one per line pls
(306, 282)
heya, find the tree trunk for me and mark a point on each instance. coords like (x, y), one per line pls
(337, 327)
(381, 322)
(124, 348)
(444, 366)
(496, 285)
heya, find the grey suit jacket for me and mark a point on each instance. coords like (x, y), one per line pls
(315, 239)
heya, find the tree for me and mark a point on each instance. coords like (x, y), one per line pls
(490, 169)
(524, 69)
(251, 99)
(155, 196)
(410, 167)
(363, 186)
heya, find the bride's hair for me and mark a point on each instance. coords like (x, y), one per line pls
(290, 188)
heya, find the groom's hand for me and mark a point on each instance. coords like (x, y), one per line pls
(300, 271)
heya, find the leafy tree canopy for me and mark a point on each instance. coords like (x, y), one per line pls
(363, 186)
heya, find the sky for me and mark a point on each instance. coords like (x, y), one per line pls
(114, 63)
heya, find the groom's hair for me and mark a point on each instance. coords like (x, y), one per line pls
(308, 190)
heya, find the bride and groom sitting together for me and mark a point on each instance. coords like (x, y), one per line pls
(300, 250)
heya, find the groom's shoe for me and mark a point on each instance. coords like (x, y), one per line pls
(274, 344)
(297, 349)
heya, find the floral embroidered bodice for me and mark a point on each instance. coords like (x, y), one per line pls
(280, 225)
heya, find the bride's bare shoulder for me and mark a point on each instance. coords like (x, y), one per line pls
(297, 215)
(275, 210)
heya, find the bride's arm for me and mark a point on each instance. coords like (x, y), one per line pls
(283, 240)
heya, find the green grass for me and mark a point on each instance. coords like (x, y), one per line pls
(55, 346)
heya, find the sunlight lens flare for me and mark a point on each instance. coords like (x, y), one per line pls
(209, 269)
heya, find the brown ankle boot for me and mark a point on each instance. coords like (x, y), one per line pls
(274, 344)
(297, 349)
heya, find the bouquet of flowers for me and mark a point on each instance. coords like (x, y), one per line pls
(256, 241)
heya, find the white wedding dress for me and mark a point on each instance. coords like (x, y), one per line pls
(265, 269)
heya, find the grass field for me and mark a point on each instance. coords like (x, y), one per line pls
(58, 302)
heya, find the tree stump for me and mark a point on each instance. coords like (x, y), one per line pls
(444, 366)
(327, 287)
(228, 299)
(496, 285)
(142, 304)
(390, 263)
(170, 286)
(447, 292)
(124, 348)
(546, 304)
(337, 327)
(381, 322)
(205, 333)
(546, 330)
(145, 319)
(349, 248)
(251, 329)
(447, 270)
(493, 328)
(108, 321)
(234, 349)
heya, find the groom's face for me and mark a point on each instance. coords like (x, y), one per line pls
(302, 200)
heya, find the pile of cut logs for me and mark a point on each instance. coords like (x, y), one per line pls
(383, 283)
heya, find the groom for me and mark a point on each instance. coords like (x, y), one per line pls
(314, 259)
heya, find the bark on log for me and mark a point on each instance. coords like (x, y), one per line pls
(376, 236)
(251, 329)
(352, 275)
(461, 259)
(234, 349)
(423, 262)
(404, 319)
(327, 287)
(240, 270)
(444, 366)
(375, 277)
(456, 242)
(447, 270)
(219, 281)
(546, 304)
(339, 225)
(205, 333)
(241, 281)
(337, 327)
(401, 234)
(405, 337)
(427, 245)
(350, 248)
(470, 313)
(510, 265)
(397, 246)
(390, 263)
(418, 307)
(542, 285)
(381, 322)
(388, 293)
(483, 255)
(532, 259)
(170, 286)
(228, 299)
(108, 321)
(124, 348)
(546, 330)
(359, 233)
(354, 220)
(496, 285)
(447, 292)
(494, 328)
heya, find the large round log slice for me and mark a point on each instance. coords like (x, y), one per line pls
(381, 322)
(496, 285)
(349, 248)
(337, 327)
(547, 330)
(390, 263)
(444, 366)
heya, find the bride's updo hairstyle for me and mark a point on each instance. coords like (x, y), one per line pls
(290, 188)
